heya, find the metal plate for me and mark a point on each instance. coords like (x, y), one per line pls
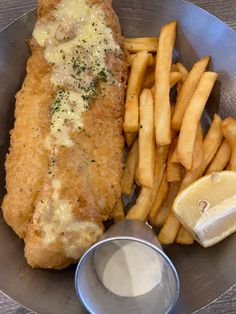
(204, 273)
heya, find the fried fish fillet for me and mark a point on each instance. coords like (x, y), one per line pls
(64, 167)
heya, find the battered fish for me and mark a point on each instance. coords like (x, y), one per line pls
(64, 167)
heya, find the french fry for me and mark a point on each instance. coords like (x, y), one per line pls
(183, 71)
(170, 229)
(145, 199)
(153, 89)
(131, 119)
(175, 77)
(118, 211)
(184, 237)
(129, 172)
(146, 139)
(175, 157)
(146, 196)
(229, 129)
(192, 117)
(139, 44)
(160, 197)
(162, 154)
(131, 57)
(164, 211)
(198, 148)
(187, 91)
(136, 176)
(173, 169)
(162, 81)
(221, 158)
(149, 79)
(141, 208)
(130, 137)
(211, 144)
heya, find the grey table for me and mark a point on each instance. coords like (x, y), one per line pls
(225, 10)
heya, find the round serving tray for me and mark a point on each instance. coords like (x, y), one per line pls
(205, 274)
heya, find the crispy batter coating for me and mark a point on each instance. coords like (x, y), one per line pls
(89, 172)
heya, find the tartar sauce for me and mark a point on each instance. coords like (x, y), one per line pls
(76, 40)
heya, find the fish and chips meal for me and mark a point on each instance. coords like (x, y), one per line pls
(65, 171)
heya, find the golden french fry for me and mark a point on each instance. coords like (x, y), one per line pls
(162, 81)
(175, 77)
(141, 39)
(149, 79)
(146, 139)
(130, 137)
(129, 171)
(140, 210)
(139, 44)
(162, 154)
(136, 176)
(145, 199)
(178, 89)
(162, 214)
(138, 68)
(153, 89)
(147, 196)
(131, 57)
(175, 157)
(184, 237)
(198, 148)
(211, 144)
(229, 129)
(118, 211)
(171, 225)
(183, 71)
(192, 117)
(170, 229)
(131, 119)
(187, 92)
(160, 197)
(221, 158)
(173, 169)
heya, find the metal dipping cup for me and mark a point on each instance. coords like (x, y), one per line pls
(99, 300)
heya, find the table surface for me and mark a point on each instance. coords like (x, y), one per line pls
(225, 10)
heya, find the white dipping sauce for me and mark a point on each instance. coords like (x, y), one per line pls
(128, 268)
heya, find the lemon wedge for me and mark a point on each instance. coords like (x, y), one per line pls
(207, 208)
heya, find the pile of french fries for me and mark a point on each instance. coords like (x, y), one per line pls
(167, 149)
